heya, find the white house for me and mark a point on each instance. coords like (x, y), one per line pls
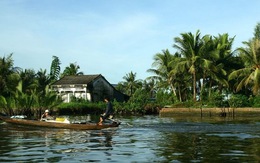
(89, 87)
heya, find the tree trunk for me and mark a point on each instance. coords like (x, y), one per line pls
(210, 87)
(202, 87)
(179, 90)
(173, 90)
(194, 86)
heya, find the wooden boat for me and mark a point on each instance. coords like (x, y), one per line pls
(58, 124)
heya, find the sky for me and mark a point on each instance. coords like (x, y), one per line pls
(114, 37)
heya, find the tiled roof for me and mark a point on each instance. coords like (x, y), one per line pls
(76, 79)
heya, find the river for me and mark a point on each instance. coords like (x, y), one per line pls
(137, 139)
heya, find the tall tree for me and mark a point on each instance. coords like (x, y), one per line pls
(55, 69)
(162, 67)
(180, 80)
(220, 61)
(9, 77)
(189, 46)
(257, 31)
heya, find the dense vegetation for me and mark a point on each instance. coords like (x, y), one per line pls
(203, 71)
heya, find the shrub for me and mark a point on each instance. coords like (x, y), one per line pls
(165, 98)
(218, 100)
(256, 101)
(80, 108)
(238, 100)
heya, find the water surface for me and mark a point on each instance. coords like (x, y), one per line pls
(138, 139)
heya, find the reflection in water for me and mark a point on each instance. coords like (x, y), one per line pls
(138, 139)
(21, 143)
(207, 141)
(202, 148)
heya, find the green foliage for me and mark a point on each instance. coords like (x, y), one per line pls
(165, 98)
(238, 100)
(137, 102)
(218, 100)
(3, 102)
(80, 108)
(119, 107)
(24, 103)
(257, 31)
(151, 108)
(49, 101)
(72, 69)
(26, 92)
(255, 101)
(80, 100)
(7, 105)
(9, 77)
(130, 85)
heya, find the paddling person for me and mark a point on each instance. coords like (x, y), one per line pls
(47, 116)
(109, 111)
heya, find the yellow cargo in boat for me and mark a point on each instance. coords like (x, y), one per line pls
(60, 119)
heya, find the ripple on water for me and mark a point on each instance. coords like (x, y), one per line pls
(142, 139)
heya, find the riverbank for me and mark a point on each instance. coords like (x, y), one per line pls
(234, 112)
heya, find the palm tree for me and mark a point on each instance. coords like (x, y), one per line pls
(131, 83)
(205, 64)
(149, 85)
(28, 81)
(257, 31)
(48, 101)
(163, 67)
(217, 60)
(249, 76)
(189, 46)
(9, 77)
(24, 101)
(43, 81)
(55, 69)
(180, 80)
(72, 69)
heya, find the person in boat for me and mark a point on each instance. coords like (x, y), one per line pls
(47, 116)
(108, 113)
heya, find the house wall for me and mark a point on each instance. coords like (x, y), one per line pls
(68, 91)
(104, 89)
(101, 89)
